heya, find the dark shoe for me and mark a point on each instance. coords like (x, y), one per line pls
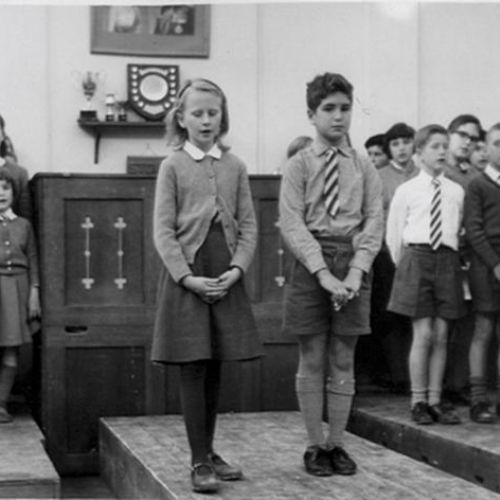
(5, 416)
(317, 461)
(203, 478)
(420, 414)
(444, 413)
(342, 463)
(223, 470)
(480, 413)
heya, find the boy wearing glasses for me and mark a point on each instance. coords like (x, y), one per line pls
(465, 132)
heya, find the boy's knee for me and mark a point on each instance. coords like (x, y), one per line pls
(339, 384)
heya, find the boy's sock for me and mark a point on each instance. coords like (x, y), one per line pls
(212, 385)
(7, 377)
(192, 391)
(310, 393)
(434, 396)
(419, 371)
(339, 395)
(478, 391)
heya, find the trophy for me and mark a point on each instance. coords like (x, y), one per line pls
(89, 85)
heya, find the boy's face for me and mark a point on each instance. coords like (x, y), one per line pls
(332, 117)
(401, 149)
(377, 156)
(493, 148)
(463, 140)
(433, 154)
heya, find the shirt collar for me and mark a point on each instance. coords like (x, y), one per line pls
(428, 178)
(8, 215)
(320, 147)
(197, 154)
(3, 162)
(492, 173)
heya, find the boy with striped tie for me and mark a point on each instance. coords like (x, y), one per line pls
(332, 221)
(424, 221)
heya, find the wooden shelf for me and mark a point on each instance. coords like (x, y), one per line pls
(98, 127)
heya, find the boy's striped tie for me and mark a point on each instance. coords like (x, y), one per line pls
(436, 232)
(331, 189)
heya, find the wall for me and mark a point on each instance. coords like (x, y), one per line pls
(413, 62)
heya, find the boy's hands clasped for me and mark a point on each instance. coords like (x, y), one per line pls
(341, 291)
(211, 290)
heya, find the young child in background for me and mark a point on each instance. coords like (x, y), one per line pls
(478, 157)
(482, 229)
(375, 149)
(391, 331)
(331, 220)
(205, 233)
(19, 288)
(21, 204)
(424, 221)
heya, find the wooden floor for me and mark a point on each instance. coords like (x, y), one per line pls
(25, 469)
(469, 450)
(147, 457)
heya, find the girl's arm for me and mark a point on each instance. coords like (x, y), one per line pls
(34, 308)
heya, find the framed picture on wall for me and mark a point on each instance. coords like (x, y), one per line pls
(175, 30)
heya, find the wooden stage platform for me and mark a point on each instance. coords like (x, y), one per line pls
(25, 469)
(147, 457)
(470, 451)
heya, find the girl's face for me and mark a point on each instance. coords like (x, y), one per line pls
(6, 196)
(201, 118)
(479, 156)
(401, 150)
(433, 154)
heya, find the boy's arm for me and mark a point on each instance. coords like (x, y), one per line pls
(367, 243)
(395, 225)
(474, 227)
(293, 227)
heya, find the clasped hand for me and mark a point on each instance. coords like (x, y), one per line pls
(341, 291)
(211, 290)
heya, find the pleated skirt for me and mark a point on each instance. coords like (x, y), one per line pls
(188, 329)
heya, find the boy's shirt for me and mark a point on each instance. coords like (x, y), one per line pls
(303, 215)
(392, 176)
(482, 216)
(410, 213)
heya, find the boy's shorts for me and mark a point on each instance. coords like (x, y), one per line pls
(484, 287)
(308, 307)
(428, 283)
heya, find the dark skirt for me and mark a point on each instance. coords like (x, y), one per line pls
(188, 329)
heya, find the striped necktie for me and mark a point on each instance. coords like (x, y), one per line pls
(436, 232)
(331, 188)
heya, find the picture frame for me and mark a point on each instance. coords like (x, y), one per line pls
(180, 30)
(143, 165)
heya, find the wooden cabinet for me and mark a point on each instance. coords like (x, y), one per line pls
(98, 275)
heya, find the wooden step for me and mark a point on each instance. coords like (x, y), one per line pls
(147, 457)
(470, 451)
(25, 469)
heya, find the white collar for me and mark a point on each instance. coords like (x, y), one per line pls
(396, 166)
(197, 154)
(3, 161)
(492, 173)
(429, 178)
(8, 215)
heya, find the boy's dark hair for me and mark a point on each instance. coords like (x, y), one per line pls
(462, 120)
(424, 134)
(324, 85)
(6, 176)
(397, 131)
(300, 142)
(482, 135)
(375, 140)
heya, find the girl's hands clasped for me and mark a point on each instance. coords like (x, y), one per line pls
(211, 290)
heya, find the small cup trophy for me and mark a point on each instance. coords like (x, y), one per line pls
(89, 85)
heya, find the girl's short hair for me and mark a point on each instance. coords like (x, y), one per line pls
(7, 177)
(177, 135)
(397, 131)
(425, 133)
(324, 85)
